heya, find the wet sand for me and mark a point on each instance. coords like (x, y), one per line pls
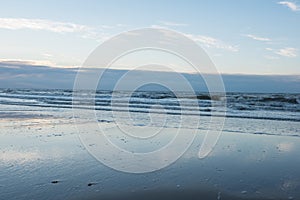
(42, 158)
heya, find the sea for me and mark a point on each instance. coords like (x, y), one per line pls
(277, 107)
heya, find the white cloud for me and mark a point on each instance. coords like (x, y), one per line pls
(53, 26)
(167, 23)
(159, 26)
(97, 33)
(26, 62)
(20, 62)
(47, 55)
(207, 41)
(212, 42)
(287, 52)
(291, 5)
(40, 24)
(254, 37)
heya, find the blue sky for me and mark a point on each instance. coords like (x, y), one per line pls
(241, 37)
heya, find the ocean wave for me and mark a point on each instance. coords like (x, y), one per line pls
(238, 105)
(280, 99)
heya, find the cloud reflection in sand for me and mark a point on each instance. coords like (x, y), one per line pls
(20, 157)
(285, 146)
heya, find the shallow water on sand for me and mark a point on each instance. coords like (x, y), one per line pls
(42, 158)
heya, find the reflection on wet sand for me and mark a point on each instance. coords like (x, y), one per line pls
(49, 160)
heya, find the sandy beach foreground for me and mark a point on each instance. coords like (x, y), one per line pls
(42, 157)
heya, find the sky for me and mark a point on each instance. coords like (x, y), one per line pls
(241, 37)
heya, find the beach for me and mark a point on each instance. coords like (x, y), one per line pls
(149, 100)
(43, 157)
